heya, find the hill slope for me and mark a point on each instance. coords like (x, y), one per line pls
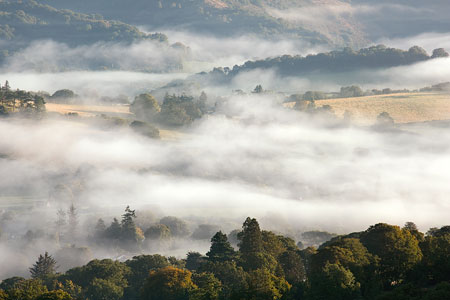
(226, 18)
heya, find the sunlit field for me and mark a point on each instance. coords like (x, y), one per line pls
(403, 108)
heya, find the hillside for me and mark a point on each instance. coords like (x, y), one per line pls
(341, 66)
(21, 23)
(29, 20)
(226, 18)
(402, 107)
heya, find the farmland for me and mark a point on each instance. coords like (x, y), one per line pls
(121, 111)
(403, 108)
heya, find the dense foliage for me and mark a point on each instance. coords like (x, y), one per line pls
(19, 101)
(384, 262)
(346, 60)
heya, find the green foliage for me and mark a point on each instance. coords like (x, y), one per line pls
(221, 250)
(145, 107)
(3, 295)
(145, 129)
(168, 283)
(264, 285)
(140, 267)
(101, 277)
(26, 289)
(19, 101)
(102, 289)
(209, 287)
(158, 232)
(382, 263)
(204, 232)
(194, 261)
(44, 266)
(293, 268)
(435, 264)
(384, 119)
(397, 249)
(54, 295)
(334, 282)
(29, 20)
(375, 57)
(233, 278)
(179, 110)
(63, 96)
(177, 227)
(351, 91)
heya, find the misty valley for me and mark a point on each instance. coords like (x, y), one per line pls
(224, 149)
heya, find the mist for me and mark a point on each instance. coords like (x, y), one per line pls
(253, 158)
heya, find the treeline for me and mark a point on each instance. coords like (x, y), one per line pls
(383, 262)
(20, 102)
(347, 60)
(174, 111)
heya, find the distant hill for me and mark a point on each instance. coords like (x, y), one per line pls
(22, 22)
(342, 66)
(347, 60)
(25, 23)
(226, 18)
(354, 23)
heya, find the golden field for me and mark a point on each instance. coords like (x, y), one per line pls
(122, 111)
(88, 110)
(403, 107)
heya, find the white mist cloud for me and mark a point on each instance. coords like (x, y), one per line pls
(262, 160)
(208, 51)
(50, 56)
(429, 41)
(91, 83)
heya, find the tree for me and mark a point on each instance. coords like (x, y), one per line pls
(209, 287)
(73, 221)
(233, 278)
(194, 261)
(251, 245)
(101, 279)
(128, 226)
(204, 232)
(202, 102)
(158, 232)
(26, 290)
(258, 89)
(64, 95)
(145, 129)
(351, 91)
(102, 289)
(412, 228)
(440, 52)
(114, 230)
(44, 266)
(55, 295)
(61, 219)
(168, 283)
(140, 267)
(334, 282)
(384, 119)
(177, 227)
(100, 228)
(264, 285)
(145, 106)
(397, 249)
(292, 264)
(221, 249)
(6, 87)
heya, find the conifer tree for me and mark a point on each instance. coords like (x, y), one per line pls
(44, 266)
(221, 249)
